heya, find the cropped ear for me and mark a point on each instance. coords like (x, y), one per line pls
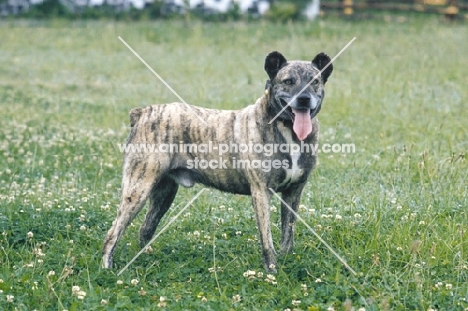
(273, 63)
(321, 61)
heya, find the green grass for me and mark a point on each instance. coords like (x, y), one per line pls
(398, 93)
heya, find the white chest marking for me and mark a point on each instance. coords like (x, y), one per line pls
(295, 172)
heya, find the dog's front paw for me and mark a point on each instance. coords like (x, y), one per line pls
(271, 269)
(107, 262)
(269, 262)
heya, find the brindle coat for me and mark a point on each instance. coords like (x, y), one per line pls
(157, 176)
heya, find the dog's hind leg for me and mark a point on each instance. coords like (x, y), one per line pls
(292, 198)
(137, 182)
(161, 198)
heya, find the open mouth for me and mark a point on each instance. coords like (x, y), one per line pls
(301, 117)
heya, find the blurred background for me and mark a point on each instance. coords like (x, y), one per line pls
(227, 9)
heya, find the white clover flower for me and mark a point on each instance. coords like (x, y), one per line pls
(38, 252)
(203, 299)
(319, 280)
(75, 289)
(296, 302)
(9, 298)
(81, 295)
(134, 282)
(119, 282)
(448, 286)
(270, 279)
(338, 217)
(196, 234)
(162, 304)
(103, 302)
(303, 287)
(238, 232)
(236, 298)
(249, 273)
(30, 235)
(83, 228)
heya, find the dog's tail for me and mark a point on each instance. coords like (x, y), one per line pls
(135, 115)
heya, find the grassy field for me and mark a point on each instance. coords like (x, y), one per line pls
(396, 209)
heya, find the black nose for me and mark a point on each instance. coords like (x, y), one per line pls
(303, 101)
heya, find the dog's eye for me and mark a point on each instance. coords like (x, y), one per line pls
(288, 81)
(315, 82)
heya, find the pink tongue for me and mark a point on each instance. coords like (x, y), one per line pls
(302, 125)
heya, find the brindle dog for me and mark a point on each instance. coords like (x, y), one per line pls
(157, 175)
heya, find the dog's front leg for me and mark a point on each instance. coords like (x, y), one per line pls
(261, 200)
(292, 197)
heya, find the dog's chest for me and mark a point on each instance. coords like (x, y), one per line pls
(294, 172)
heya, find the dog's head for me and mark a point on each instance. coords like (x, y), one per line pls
(288, 79)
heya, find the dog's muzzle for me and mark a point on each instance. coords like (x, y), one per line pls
(302, 109)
